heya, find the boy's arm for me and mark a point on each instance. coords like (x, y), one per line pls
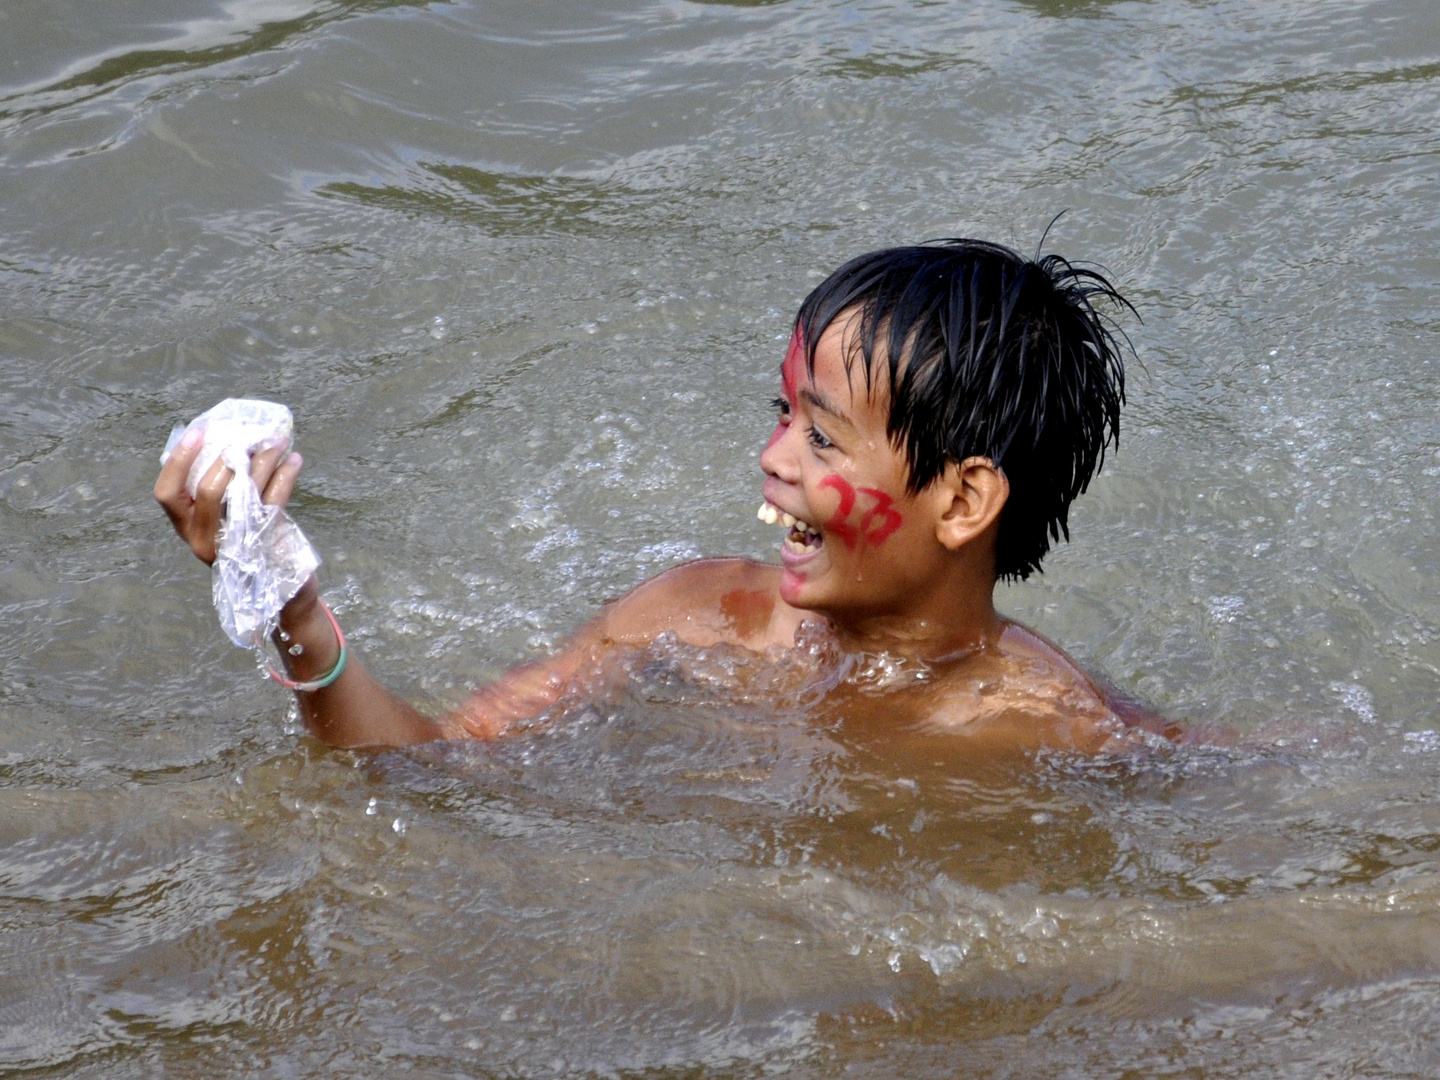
(685, 600)
(356, 710)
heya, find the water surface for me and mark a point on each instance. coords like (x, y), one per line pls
(524, 272)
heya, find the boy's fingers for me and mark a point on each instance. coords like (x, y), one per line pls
(213, 484)
(273, 469)
(204, 526)
(205, 517)
(282, 481)
(263, 463)
(171, 482)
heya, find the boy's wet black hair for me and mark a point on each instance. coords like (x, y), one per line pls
(988, 354)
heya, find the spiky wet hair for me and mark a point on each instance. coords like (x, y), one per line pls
(987, 354)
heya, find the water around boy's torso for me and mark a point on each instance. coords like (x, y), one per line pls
(1013, 697)
(524, 274)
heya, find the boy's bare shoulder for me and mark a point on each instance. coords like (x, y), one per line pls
(1024, 692)
(704, 602)
(1133, 712)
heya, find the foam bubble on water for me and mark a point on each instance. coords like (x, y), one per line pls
(1357, 699)
(1226, 608)
(1422, 742)
(666, 553)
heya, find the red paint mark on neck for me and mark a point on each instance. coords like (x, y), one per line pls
(746, 611)
(876, 522)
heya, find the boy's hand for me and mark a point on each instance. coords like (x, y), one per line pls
(197, 520)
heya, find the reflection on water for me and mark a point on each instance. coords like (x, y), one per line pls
(503, 204)
(523, 273)
(240, 29)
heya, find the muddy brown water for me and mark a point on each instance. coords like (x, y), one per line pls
(524, 272)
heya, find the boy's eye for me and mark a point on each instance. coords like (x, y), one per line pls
(781, 406)
(818, 439)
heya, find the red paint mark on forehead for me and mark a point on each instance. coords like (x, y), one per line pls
(793, 367)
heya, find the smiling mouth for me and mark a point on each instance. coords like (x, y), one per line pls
(802, 539)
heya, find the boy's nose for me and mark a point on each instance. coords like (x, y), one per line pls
(777, 459)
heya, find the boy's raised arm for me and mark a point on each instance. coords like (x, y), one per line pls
(354, 710)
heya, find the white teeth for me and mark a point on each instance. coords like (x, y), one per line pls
(773, 515)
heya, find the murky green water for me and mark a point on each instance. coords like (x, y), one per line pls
(524, 273)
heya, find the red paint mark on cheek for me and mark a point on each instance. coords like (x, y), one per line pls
(839, 522)
(880, 520)
(876, 523)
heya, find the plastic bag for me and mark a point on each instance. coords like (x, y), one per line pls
(263, 556)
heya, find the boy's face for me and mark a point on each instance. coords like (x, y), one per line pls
(870, 548)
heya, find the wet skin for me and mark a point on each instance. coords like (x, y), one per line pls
(881, 569)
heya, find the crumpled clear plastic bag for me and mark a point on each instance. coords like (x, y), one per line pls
(263, 556)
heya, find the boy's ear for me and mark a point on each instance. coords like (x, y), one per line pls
(971, 496)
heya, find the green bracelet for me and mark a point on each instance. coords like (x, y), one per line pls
(326, 679)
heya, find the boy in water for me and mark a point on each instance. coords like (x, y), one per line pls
(940, 408)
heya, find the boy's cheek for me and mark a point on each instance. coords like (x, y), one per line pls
(863, 518)
(881, 519)
(837, 520)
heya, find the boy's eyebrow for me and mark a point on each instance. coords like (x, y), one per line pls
(824, 405)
